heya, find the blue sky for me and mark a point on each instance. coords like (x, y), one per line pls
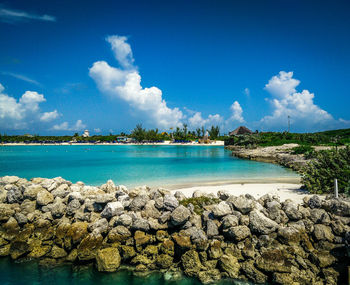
(108, 65)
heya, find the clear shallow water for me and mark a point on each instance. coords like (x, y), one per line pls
(31, 273)
(133, 165)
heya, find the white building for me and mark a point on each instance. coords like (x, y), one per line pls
(86, 134)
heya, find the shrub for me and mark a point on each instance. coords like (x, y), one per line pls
(302, 149)
(318, 176)
(199, 203)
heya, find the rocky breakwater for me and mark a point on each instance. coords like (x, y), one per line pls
(110, 226)
(282, 155)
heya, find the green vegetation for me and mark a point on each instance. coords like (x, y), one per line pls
(138, 134)
(330, 138)
(199, 203)
(318, 176)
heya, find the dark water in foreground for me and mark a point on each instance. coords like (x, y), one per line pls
(31, 273)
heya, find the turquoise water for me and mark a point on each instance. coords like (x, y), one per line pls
(31, 273)
(133, 165)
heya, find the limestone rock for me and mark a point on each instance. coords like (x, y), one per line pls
(170, 202)
(212, 229)
(14, 194)
(180, 215)
(112, 209)
(108, 259)
(44, 197)
(242, 204)
(238, 233)
(322, 232)
(261, 224)
(230, 265)
(191, 263)
(221, 209)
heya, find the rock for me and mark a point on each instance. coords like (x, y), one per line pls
(180, 215)
(164, 261)
(238, 233)
(112, 209)
(165, 217)
(179, 195)
(289, 235)
(230, 265)
(212, 229)
(61, 191)
(215, 250)
(72, 207)
(57, 209)
(77, 231)
(319, 216)
(44, 197)
(88, 247)
(124, 220)
(209, 276)
(260, 224)
(128, 252)
(184, 242)
(57, 252)
(314, 202)
(14, 194)
(108, 259)
(104, 198)
(223, 195)
(140, 224)
(118, 234)
(242, 204)
(49, 184)
(252, 273)
(32, 191)
(322, 232)
(99, 227)
(292, 211)
(274, 260)
(9, 180)
(21, 219)
(141, 238)
(138, 202)
(322, 258)
(170, 202)
(229, 221)
(150, 211)
(108, 187)
(221, 209)
(76, 195)
(191, 263)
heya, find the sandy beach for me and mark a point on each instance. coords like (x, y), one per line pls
(283, 190)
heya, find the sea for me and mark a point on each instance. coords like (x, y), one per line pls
(134, 165)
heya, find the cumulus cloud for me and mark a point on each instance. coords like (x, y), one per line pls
(198, 121)
(125, 83)
(78, 126)
(287, 101)
(13, 16)
(49, 116)
(237, 112)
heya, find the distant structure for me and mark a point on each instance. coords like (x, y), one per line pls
(242, 130)
(86, 134)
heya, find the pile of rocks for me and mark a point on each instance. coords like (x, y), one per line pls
(239, 237)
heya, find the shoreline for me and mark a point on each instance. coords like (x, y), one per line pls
(217, 143)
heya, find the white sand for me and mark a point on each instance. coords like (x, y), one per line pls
(283, 190)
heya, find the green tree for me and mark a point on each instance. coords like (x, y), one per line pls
(214, 132)
(139, 133)
(198, 133)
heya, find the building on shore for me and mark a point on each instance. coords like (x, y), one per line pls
(241, 130)
(86, 134)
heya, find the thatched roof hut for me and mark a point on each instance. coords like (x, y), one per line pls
(241, 130)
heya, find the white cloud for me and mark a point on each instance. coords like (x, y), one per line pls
(122, 50)
(22, 77)
(237, 112)
(125, 83)
(286, 101)
(49, 116)
(97, 130)
(78, 126)
(13, 16)
(198, 121)
(20, 114)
